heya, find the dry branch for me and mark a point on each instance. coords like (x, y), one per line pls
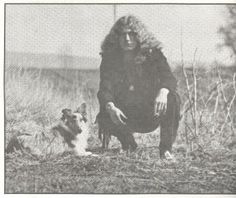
(215, 110)
(226, 102)
(195, 95)
(230, 105)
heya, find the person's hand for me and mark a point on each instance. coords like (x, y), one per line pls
(117, 116)
(160, 103)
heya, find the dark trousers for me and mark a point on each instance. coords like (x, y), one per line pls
(141, 119)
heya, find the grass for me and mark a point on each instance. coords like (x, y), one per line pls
(139, 172)
(34, 100)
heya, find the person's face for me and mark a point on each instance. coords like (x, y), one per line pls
(128, 40)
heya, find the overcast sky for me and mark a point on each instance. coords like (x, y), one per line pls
(80, 29)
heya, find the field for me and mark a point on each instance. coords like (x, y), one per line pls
(205, 149)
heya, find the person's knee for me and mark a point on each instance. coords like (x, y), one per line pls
(172, 114)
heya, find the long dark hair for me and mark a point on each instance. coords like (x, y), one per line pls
(146, 39)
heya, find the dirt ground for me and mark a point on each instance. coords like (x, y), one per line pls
(111, 172)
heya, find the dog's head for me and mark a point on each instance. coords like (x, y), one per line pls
(74, 120)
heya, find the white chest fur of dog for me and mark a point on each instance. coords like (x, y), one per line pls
(81, 139)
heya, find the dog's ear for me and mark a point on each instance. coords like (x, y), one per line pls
(82, 108)
(65, 113)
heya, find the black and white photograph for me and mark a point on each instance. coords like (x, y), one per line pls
(119, 98)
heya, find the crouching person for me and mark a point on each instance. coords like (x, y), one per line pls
(137, 91)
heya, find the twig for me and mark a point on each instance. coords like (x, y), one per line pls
(186, 109)
(211, 93)
(185, 75)
(215, 110)
(224, 98)
(185, 129)
(195, 95)
(230, 104)
(190, 129)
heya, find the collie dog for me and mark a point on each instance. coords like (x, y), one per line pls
(73, 127)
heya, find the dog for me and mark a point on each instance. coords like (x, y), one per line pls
(73, 128)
